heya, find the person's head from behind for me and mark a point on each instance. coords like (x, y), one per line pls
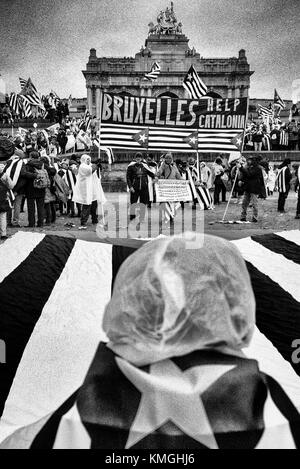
(172, 298)
(138, 157)
(34, 155)
(219, 161)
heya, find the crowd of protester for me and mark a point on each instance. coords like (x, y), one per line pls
(42, 168)
(273, 137)
(32, 170)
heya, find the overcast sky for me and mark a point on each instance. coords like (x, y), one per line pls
(49, 40)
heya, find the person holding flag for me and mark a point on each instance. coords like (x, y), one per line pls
(252, 182)
(137, 176)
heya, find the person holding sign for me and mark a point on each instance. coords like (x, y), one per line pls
(138, 175)
(168, 170)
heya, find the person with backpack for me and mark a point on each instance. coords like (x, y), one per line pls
(37, 182)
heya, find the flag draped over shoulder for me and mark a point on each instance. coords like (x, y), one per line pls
(42, 347)
(194, 85)
(154, 72)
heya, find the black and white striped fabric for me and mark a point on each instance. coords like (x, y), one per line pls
(13, 170)
(284, 138)
(70, 178)
(53, 291)
(14, 103)
(200, 192)
(168, 139)
(154, 72)
(194, 85)
(281, 181)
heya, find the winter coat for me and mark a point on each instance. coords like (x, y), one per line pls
(32, 192)
(168, 171)
(253, 181)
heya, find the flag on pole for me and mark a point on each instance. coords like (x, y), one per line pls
(25, 106)
(264, 111)
(22, 82)
(154, 72)
(278, 101)
(194, 85)
(14, 103)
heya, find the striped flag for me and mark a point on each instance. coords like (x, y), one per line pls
(264, 111)
(23, 83)
(278, 101)
(154, 72)
(163, 124)
(41, 372)
(26, 107)
(170, 210)
(14, 103)
(281, 181)
(284, 138)
(29, 93)
(13, 170)
(194, 85)
(168, 139)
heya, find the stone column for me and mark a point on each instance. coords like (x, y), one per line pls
(97, 102)
(89, 99)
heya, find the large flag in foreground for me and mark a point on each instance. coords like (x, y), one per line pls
(169, 123)
(52, 331)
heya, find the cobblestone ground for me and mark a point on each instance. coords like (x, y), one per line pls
(116, 213)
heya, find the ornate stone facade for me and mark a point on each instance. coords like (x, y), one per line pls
(169, 47)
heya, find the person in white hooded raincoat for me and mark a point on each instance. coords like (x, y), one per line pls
(88, 190)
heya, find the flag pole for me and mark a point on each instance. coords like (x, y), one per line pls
(230, 196)
(99, 130)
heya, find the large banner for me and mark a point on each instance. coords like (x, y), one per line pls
(173, 190)
(165, 124)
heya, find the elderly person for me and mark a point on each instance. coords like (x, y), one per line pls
(173, 373)
(168, 169)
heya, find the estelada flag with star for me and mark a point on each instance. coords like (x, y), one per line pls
(197, 401)
(142, 137)
(192, 140)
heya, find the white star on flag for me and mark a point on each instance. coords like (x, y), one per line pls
(142, 137)
(192, 140)
(169, 394)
